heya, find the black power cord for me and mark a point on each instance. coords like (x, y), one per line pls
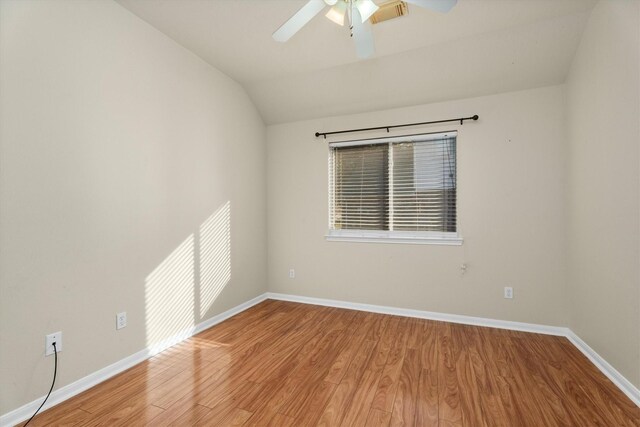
(55, 372)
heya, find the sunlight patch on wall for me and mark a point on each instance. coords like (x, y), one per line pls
(169, 294)
(215, 256)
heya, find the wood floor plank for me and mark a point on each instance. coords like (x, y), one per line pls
(365, 392)
(148, 372)
(126, 400)
(604, 392)
(490, 368)
(388, 384)
(280, 420)
(287, 364)
(307, 345)
(387, 339)
(140, 417)
(404, 404)
(485, 384)
(360, 404)
(427, 399)
(476, 406)
(303, 394)
(72, 418)
(182, 413)
(414, 333)
(236, 417)
(272, 397)
(529, 400)
(118, 415)
(357, 335)
(338, 406)
(182, 384)
(449, 405)
(265, 349)
(291, 393)
(310, 409)
(309, 374)
(428, 345)
(230, 403)
(378, 418)
(246, 320)
(561, 369)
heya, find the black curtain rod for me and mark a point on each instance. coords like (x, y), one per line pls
(461, 120)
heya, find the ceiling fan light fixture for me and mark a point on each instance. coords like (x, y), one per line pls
(366, 9)
(337, 13)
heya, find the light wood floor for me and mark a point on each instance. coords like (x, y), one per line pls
(287, 364)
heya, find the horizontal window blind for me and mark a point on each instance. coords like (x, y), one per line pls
(360, 199)
(423, 186)
(401, 185)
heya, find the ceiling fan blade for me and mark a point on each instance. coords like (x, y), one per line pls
(297, 21)
(362, 36)
(337, 13)
(366, 9)
(443, 6)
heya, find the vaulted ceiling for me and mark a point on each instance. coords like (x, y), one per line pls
(480, 47)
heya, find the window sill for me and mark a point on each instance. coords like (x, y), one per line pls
(448, 239)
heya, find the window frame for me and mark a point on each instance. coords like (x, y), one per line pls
(389, 236)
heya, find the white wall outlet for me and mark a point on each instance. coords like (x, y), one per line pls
(121, 320)
(508, 292)
(55, 337)
(292, 273)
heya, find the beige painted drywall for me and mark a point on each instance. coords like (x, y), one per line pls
(120, 152)
(511, 198)
(603, 92)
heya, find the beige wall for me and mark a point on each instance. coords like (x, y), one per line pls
(120, 152)
(604, 177)
(511, 197)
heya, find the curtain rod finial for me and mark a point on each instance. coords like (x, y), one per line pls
(475, 117)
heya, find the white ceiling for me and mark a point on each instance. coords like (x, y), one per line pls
(480, 47)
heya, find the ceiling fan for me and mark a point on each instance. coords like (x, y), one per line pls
(357, 13)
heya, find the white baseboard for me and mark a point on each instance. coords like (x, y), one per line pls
(60, 395)
(609, 371)
(431, 315)
(70, 390)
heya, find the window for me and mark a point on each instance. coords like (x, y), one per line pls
(400, 189)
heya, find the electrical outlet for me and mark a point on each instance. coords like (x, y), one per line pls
(55, 337)
(508, 292)
(292, 273)
(121, 320)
